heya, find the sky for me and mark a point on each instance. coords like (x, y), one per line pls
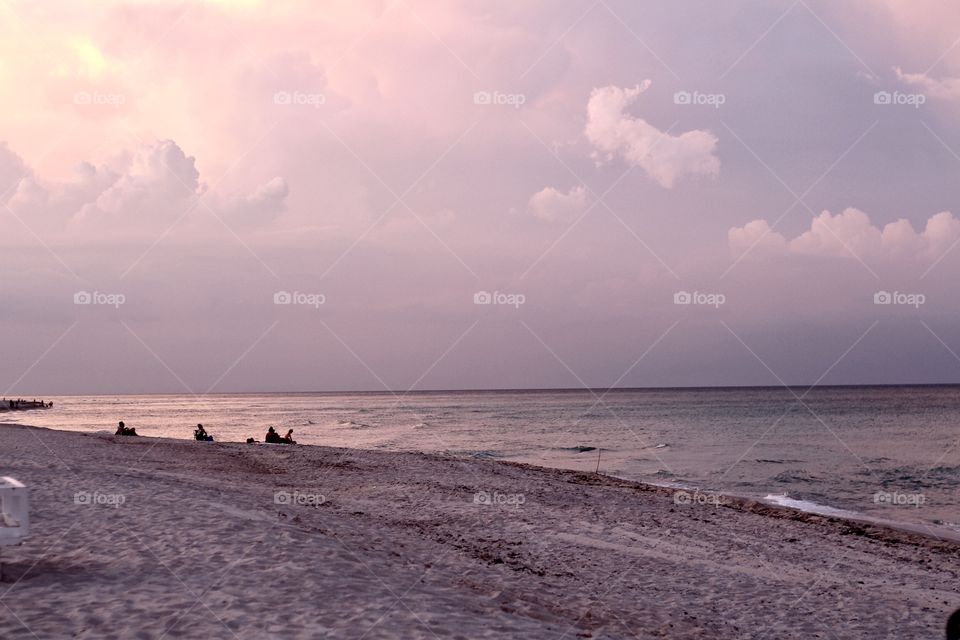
(206, 197)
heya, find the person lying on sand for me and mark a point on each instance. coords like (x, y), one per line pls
(201, 434)
(124, 430)
(289, 437)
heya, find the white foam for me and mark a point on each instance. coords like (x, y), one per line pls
(784, 500)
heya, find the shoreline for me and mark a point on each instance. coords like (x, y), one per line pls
(935, 532)
(754, 503)
(151, 536)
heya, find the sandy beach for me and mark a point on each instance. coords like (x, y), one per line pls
(157, 538)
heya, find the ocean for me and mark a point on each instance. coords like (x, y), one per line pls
(890, 453)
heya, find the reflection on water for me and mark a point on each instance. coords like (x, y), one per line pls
(892, 452)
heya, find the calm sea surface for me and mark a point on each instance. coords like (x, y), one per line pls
(886, 452)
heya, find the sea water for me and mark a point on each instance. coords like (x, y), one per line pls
(886, 452)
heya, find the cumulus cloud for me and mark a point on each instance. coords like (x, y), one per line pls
(756, 236)
(851, 233)
(838, 235)
(664, 157)
(155, 182)
(944, 88)
(263, 205)
(553, 205)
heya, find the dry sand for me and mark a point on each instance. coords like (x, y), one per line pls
(399, 548)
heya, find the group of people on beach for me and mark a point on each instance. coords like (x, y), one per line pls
(20, 403)
(275, 438)
(200, 434)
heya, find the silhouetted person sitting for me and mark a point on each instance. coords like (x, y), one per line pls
(201, 434)
(124, 430)
(289, 438)
(272, 436)
(953, 626)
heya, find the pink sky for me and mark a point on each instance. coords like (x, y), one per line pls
(396, 158)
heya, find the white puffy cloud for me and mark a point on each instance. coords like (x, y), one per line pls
(941, 232)
(838, 235)
(851, 233)
(945, 88)
(756, 236)
(157, 180)
(663, 156)
(554, 206)
(155, 183)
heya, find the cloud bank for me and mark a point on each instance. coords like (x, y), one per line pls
(850, 234)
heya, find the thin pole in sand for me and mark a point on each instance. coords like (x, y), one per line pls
(598, 460)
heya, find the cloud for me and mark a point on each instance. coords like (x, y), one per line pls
(157, 181)
(664, 157)
(756, 236)
(849, 234)
(945, 88)
(154, 183)
(843, 234)
(263, 205)
(553, 205)
(12, 171)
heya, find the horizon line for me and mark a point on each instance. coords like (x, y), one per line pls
(581, 389)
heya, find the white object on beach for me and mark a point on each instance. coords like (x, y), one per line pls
(14, 512)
